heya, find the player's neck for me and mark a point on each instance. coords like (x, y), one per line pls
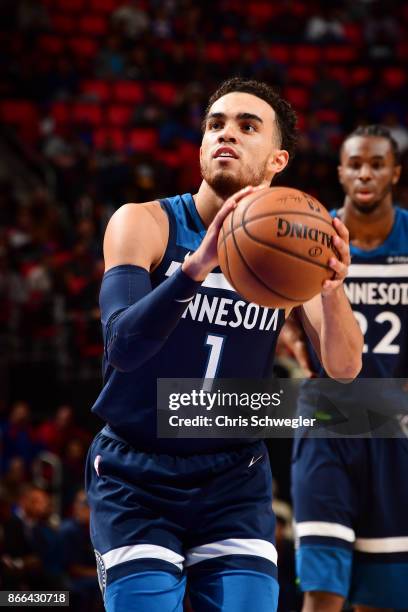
(368, 231)
(207, 202)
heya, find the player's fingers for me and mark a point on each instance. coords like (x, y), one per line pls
(341, 229)
(340, 268)
(343, 249)
(331, 285)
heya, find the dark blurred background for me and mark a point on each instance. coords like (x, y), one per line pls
(101, 104)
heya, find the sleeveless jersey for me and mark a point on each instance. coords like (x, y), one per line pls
(220, 335)
(377, 288)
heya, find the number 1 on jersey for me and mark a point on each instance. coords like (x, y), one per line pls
(217, 344)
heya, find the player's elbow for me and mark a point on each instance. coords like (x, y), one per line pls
(126, 355)
(346, 372)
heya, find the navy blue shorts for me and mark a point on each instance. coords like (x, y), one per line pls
(351, 510)
(207, 517)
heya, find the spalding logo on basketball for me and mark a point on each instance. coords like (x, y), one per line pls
(275, 247)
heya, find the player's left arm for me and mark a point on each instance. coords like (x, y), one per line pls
(329, 321)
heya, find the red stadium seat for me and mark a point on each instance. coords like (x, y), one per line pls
(61, 112)
(119, 115)
(279, 53)
(394, 78)
(165, 92)
(71, 5)
(106, 6)
(341, 74)
(128, 92)
(143, 140)
(262, 11)
(215, 52)
(100, 90)
(64, 24)
(87, 113)
(361, 75)
(114, 136)
(298, 96)
(307, 54)
(22, 116)
(328, 115)
(93, 25)
(18, 112)
(305, 75)
(402, 51)
(83, 47)
(51, 45)
(340, 54)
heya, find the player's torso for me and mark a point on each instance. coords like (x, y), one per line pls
(377, 288)
(219, 335)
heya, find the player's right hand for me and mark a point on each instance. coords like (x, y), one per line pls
(205, 258)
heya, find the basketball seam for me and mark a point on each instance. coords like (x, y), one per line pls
(285, 297)
(278, 212)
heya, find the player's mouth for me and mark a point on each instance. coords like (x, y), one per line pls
(225, 153)
(365, 195)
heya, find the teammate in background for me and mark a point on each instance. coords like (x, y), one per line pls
(160, 508)
(350, 495)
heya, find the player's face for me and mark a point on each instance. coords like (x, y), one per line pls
(240, 145)
(367, 171)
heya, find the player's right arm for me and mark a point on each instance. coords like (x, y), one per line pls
(136, 318)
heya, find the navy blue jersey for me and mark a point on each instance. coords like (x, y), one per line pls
(220, 335)
(377, 288)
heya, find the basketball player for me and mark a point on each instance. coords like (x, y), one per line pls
(163, 508)
(351, 495)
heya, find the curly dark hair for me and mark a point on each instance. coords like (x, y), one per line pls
(379, 131)
(286, 118)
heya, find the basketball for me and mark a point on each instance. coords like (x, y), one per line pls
(274, 248)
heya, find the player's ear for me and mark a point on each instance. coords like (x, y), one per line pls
(340, 174)
(396, 175)
(278, 161)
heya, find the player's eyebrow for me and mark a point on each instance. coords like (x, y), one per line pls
(374, 157)
(240, 116)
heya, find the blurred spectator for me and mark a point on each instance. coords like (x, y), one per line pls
(131, 20)
(79, 559)
(110, 62)
(398, 131)
(30, 557)
(15, 479)
(18, 436)
(73, 462)
(326, 26)
(56, 433)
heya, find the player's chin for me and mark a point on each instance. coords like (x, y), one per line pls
(226, 182)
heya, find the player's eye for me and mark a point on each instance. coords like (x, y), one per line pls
(355, 165)
(248, 127)
(214, 125)
(377, 165)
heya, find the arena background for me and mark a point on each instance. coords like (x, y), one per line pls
(101, 104)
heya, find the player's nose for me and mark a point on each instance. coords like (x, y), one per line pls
(365, 173)
(227, 134)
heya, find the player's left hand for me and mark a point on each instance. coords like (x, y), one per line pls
(339, 266)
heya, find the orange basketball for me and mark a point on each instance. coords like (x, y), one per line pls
(274, 248)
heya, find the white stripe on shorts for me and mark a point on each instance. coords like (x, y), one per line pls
(232, 546)
(141, 551)
(382, 545)
(325, 529)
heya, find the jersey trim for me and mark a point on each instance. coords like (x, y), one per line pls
(323, 528)
(232, 546)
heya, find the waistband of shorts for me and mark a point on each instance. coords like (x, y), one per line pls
(142, 448)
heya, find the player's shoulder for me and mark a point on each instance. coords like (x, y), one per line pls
(136, 233)
(402, 214)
